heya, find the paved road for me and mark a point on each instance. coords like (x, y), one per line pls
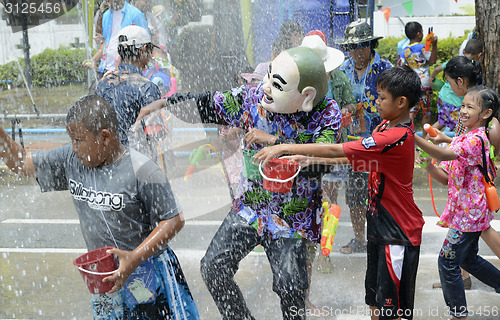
(40, 237)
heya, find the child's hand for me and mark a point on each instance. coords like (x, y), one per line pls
(440, 138)
(434, 40)
(268, 153)
(303, 161)
(431, 81)
(257, 136)
(127, 265)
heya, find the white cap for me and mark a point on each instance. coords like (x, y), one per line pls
(133, 36)
(332, 58)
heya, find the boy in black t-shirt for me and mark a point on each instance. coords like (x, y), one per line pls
(394, 221)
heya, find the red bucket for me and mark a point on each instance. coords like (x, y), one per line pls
(95, 266)
(279, 174)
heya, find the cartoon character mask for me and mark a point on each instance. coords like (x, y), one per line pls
(295, 81)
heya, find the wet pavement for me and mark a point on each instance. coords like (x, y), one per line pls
(40, 237)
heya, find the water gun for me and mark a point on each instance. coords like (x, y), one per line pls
(428, 39)
(491, 193)
(330, 224)
(194, 159)
(431, 132)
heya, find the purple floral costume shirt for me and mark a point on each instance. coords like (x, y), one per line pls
(467, 207)
(298, 213)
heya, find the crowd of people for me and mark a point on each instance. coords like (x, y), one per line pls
(343, 120)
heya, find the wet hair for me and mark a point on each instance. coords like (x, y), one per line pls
(281, 44)
(474, 46)
(94, 113)
(401, 81)
(463, 67)
(412, 28)
(289, 27)
(132, 52)
(488, 99)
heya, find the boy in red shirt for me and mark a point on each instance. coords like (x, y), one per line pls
(394, 221)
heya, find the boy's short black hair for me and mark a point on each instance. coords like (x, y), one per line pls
(289, 27)
(401, 81)
(281, 44)
(94, 113)
(412, 28)
(474, 46)
(128, 53)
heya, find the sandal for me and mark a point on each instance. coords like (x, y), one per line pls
(354, 246)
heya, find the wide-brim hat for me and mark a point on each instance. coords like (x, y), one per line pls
(332, 58)
(258, 74)
(357, 32)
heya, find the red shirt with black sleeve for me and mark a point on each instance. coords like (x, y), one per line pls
(389, 155)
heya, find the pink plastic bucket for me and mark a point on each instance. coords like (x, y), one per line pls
(279, 174)
(95, 266)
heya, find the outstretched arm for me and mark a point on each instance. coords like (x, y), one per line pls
(156, 241)
(189, 107)
(435, 151)
(14, 156)
(438, 174)
(322, 150)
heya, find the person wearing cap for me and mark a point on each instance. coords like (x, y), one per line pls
(126, 89)
(290, 106)
(120, 15)
(362, 68)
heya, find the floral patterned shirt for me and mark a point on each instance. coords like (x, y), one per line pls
(298, 213)
(467, 207)
(365, 89)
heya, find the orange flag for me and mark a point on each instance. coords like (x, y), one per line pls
(387, 13)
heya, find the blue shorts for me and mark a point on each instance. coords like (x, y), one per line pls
(173, 301)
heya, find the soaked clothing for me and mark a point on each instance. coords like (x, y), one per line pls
(365, 88)
(281, 222)
(234, 240)
(296, 214)
(466, 214)
(467, 208)
(448, 114)
(415, 56)
(392, 215)
(173, 300)
(460, 250)
(396, 267)
(448, 105)
(394, 221)
(127, 90)
(340, 88)
(119, 205)
(130, 196)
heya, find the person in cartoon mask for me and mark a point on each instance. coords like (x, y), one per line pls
(289, 106)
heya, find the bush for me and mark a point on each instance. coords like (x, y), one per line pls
(50, 68)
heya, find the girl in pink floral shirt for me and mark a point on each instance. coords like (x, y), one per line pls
(467, 212)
